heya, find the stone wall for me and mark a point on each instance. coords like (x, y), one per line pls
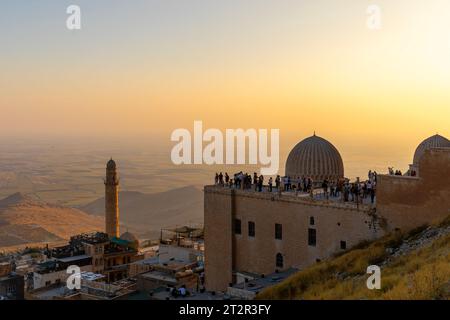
(333, 223)
(218, 239)
(409, 202)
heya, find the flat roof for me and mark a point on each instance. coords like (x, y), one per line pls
(11, 276)
(269, 280)
(293, 197)
(91, 276)
(74, 258)
(161, 276)
(49, 293)
(148, 261)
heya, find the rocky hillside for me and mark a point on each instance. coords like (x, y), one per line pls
(415, 265)
(25, 222)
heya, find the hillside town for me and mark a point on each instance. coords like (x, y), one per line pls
(247, 244)
(116, 267)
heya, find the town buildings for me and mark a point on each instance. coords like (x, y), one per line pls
(11, 284)
(115, 267)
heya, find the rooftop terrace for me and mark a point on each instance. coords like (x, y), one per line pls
(317, 198)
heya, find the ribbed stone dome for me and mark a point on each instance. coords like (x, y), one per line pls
(317, 158)
(435, 141)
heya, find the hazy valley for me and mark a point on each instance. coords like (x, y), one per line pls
(58, 188)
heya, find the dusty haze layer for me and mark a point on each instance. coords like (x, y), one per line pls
(70, 171)
(154, 193)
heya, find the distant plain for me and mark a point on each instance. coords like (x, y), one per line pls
(70, 173)
(50, 177)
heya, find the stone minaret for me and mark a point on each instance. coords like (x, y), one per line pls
(112, 200)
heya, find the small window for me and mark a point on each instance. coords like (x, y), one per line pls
(237, 226)
(312, 237)
(278, 231)
(251, 229)
(279, 260)
(343, 245)
(311, 221)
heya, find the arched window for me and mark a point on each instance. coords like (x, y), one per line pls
(279, 260)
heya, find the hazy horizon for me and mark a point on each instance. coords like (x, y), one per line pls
(70, 172)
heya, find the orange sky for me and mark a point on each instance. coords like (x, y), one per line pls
(151, 67)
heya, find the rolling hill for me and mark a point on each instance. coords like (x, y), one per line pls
(25, 222)
(28, 222)
(145, 214)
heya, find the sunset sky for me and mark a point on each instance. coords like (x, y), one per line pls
(148, 67)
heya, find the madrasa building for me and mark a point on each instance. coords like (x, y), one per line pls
(251, 234)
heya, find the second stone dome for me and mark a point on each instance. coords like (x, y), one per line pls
(435, 141)
(317, 158)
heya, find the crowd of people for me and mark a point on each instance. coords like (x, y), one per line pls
(358, 191)
(244, 181)
(348, 191)
(351, 191)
